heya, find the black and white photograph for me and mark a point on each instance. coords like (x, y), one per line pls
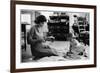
(51, 36)
(54, 36)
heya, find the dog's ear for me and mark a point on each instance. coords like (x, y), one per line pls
(78, 43)
(74, 42)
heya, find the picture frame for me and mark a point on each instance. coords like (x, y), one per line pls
(19, 6)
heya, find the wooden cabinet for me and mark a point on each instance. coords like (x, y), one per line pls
(59, 27)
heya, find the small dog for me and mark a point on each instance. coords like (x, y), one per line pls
(76, 48)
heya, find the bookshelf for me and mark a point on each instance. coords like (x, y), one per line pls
(59, 27)
(83, 28)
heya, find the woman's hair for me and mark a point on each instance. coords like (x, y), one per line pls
(40, 19)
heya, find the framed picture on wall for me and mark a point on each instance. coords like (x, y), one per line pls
(52, 36)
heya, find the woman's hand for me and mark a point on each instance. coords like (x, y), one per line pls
(50, 38)
(46, 46)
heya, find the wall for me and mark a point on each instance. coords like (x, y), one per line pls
(5, 36)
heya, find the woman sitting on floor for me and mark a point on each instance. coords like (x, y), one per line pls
(36, 38)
